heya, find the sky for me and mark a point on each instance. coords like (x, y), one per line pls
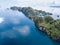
(37, 4)
(31, 3)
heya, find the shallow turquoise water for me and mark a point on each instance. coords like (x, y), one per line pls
(17, 29)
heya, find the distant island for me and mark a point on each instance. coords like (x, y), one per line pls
(55, 6)
(43, 21)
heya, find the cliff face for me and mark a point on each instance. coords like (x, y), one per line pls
(42, 21)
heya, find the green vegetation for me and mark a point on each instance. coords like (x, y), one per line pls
(48, 19)
(52, 27)
(28, 11)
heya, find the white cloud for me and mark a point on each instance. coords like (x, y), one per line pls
(37, 4)
(25, 30)
(15, 21)
(9, 34)
(32, 3)
(1, 19)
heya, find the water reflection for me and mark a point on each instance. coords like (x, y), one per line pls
(16, 29)
(25, 30)
(1, 19)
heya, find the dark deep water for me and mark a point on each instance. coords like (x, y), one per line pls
(17, 29)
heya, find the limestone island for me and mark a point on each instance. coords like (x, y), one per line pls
(43, 21)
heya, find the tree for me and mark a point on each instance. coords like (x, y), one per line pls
(48, 19)
(40, 19)
(57, 25)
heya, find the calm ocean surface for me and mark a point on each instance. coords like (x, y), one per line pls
(17, 29)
